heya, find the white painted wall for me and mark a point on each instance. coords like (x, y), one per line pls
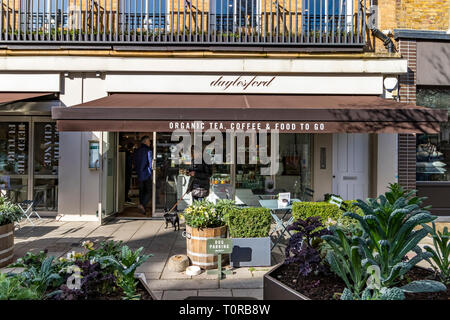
(236, 65)
(29, 82)
(387, 164)
(78, 185)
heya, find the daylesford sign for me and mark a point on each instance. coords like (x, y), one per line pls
(242, 82)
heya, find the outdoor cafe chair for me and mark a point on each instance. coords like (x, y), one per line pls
(28, 208)
(281, 223)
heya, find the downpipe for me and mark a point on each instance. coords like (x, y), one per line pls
(388, 44)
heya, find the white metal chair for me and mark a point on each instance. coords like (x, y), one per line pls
(28, 208)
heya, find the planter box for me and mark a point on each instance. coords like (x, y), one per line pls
(143, 281)
(276, 290)
(251, 252)
(6, 244)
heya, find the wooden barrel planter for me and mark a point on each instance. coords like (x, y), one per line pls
(6, 244)
(196, 246)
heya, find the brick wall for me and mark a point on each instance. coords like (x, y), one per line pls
(407, 94)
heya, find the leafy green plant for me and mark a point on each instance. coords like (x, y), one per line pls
(42, 277)
(346, 260)
(249, 222)
(30, 260)
(9, 212)
(13, 288)
(203, 214)
(441, 252)
(126, 263)
(389, 235)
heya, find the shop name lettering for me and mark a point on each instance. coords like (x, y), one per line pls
(17, 146)
(282, 126)
(241, 82)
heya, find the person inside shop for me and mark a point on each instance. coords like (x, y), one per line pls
(200, 175)
(143, 158)
(128, 169)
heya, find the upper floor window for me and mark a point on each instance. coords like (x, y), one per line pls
(230, 15)
(327, 15)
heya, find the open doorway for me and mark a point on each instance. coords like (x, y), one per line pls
(128, 184)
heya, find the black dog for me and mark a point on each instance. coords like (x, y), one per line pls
(173, 219)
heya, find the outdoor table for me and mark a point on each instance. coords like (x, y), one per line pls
(281, 223)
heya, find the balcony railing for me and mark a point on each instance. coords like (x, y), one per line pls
(338, 23)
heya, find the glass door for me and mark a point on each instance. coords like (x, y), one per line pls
(45, 158)
(108, 155)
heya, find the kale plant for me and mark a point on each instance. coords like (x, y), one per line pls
(302, 248)
(94, 283)
(441, 252)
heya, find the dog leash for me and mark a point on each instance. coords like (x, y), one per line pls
(179, 200)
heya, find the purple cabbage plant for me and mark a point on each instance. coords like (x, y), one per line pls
(302, 248)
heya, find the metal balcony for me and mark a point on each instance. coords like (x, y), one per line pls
(321, 24)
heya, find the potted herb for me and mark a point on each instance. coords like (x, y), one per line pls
(9, 214)
(249, 228)
(203, 221)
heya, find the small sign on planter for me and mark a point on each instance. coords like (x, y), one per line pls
(218, 247)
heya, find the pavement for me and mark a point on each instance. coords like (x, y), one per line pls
(60, 237)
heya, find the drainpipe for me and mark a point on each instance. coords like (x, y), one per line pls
(388, 44)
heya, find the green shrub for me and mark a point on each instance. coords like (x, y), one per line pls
(325, 210)
(249, 223)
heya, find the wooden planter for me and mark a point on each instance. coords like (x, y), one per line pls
(196, 246)
(6, 244)
(276, 290)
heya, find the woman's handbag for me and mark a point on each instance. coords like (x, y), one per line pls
(200, 193)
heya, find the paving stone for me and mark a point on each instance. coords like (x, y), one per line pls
(178, 294)
(152, 275)
(167, 274)
(250, 283)
(152, 266)
(215, 293)
(251, 293)
(193, 284)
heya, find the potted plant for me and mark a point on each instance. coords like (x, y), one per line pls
(370, 262)
(9, 214)
(203, 221)
(249, 228)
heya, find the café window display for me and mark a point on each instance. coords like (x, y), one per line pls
(433, 150)
(29, 153)
(293, 175)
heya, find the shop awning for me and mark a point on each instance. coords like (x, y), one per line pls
(287, 113)
(8, 97)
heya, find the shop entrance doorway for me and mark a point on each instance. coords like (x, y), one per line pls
(351, 165)
(127, 179)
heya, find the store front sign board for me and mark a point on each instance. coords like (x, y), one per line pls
(294, 127)
(262, 84)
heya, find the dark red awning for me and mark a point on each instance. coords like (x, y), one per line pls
(166, 112)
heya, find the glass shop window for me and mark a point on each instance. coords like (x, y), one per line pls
(46, 157)
(433, 150)
(14, 141)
